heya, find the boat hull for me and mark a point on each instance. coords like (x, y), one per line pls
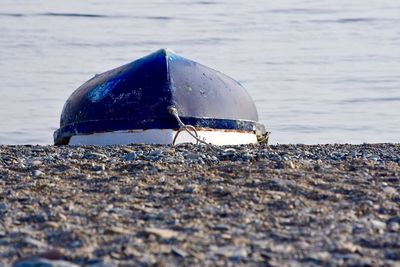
(139, 95)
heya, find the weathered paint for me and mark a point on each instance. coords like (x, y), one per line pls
(102, 90)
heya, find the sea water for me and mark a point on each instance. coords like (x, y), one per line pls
(318, 71)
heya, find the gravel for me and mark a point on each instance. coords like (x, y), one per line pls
(284, 205)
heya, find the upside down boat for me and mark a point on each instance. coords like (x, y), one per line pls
(152, 99)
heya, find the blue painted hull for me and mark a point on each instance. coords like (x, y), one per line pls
(138, 95)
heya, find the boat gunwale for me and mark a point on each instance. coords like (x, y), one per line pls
(63, 134)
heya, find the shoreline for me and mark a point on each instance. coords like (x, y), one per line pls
(250, 205)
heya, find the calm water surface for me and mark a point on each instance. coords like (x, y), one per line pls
(319, 71)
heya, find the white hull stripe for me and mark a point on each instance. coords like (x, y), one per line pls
(164, 136)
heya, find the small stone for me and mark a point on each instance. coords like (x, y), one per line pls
(94, 155)
(179, 252)
(280, 182)
(336, 155)
(162, 233)
(36, 163)
(346, 247)
(116, 231)
(393, 227)
(393, 255)
(282, 248)
(37, 173)
(131, 156)
(192, 156)
(155, 153)
(3, 207)
(226, 236)
(33, 242)
(75, 244)
(320, 256)
(352, 153)
(127, 150)
(130, 251)
(393, 219)
(246, 157)
(377, 224)
(391, 191)
(116, 256)
(221, 227)
(230, 251)
(291, 165)
(36, 262)
(51, 254)
(51, 224)
(229, 152)
(264, 244)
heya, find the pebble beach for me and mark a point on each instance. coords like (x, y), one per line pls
(253, 205)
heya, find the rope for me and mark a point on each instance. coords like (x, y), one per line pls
(186, 129)
(183, 127)
(261, 139)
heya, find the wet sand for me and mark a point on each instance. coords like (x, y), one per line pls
(194, 205)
